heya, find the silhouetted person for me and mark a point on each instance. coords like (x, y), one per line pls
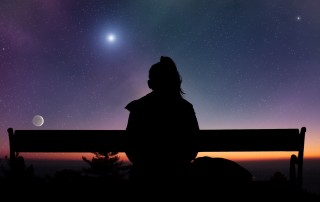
(161, 127)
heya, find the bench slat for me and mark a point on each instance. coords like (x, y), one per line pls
(69, 140)
(114, 140)
(250, 140)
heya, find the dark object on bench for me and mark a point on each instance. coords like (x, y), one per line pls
(225, 140)
(219, 170)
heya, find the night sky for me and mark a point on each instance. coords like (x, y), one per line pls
(244, 64)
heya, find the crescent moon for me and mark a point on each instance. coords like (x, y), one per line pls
(38, 120)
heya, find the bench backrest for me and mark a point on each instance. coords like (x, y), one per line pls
(114, 140)
(208, 140)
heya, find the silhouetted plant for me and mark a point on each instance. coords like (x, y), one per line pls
(278, 177)
(5, 167)
(17, 168)
(1, 170)
(105, 165)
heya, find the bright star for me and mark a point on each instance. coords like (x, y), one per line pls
(298, 18)
(111, 38)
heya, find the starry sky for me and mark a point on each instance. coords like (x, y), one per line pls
(77, 63)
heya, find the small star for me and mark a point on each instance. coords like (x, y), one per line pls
(3, 49)
(298, 18)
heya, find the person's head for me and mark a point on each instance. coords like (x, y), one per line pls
(164, 77)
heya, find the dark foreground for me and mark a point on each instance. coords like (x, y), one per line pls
(227, 183)
(86, 189)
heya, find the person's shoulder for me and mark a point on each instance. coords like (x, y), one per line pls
(138, 103)
(186, 103)
(131, 105)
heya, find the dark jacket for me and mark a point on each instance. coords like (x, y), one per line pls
(161, 130)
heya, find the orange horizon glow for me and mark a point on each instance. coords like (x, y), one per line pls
(236, 156)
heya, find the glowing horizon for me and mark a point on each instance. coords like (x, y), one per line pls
(236, 156)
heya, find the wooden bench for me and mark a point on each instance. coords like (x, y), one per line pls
(226, 140)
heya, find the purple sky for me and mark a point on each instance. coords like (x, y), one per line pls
(244, 64)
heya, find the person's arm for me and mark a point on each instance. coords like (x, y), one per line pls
(130, 137)
(195, 129)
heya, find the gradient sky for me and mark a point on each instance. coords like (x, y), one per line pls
(244, 64)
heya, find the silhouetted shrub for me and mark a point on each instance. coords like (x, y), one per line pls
(278, 177)
(16, 169)
(106, 166)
